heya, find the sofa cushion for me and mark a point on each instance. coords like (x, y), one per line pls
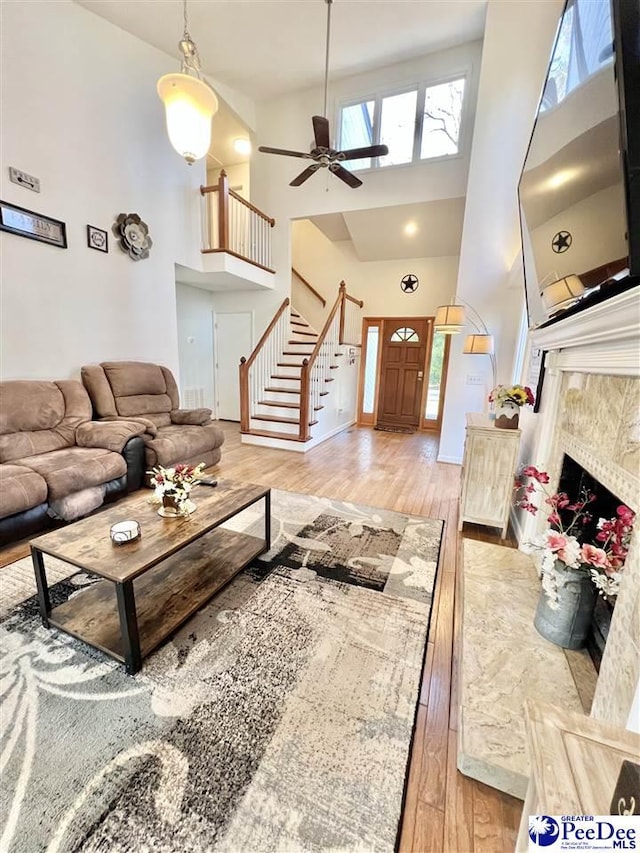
(20, 489)
(78, 504)
(177, 443)
(75, 468)
(36, 416)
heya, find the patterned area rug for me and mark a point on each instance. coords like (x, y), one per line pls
(279, 718)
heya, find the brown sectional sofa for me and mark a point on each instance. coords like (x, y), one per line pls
(148, 394)
(55, 463)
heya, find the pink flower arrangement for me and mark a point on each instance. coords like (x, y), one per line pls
(603, 559)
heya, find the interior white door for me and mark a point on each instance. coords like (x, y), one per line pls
(233, 338)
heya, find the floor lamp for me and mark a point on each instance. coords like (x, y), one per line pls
(451, 320)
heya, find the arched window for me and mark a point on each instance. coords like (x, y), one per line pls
(404, 335)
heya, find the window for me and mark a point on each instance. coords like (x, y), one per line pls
(420, 123)
(404, 335)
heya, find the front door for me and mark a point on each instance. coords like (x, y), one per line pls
(404, 351)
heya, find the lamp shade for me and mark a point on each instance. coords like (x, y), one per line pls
(449, 319)
(189, 106)
(561, 293)
(478, 345)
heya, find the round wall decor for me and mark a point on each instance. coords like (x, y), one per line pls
(409, 283)
(133, 236)
(561, 242)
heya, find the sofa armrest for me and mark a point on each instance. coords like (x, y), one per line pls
(149, 428)
(111, 435)
(194, 417)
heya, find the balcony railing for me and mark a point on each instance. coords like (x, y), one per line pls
(233, 225)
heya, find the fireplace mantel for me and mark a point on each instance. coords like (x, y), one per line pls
(603, 339)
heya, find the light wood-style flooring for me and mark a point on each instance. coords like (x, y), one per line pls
(444, 811)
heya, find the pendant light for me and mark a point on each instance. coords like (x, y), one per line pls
(189, 102)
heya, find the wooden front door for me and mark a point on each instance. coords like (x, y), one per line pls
(402, 368)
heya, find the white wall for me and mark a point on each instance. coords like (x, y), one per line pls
(80, 111)
(517, 44)
(238, 176)
(324, 264)
(195, 341)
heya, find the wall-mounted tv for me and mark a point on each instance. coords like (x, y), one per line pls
(579, 190)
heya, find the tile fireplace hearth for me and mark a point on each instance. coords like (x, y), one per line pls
(504, 661)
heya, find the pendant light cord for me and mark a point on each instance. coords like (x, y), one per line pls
(326, 59)
(184, 13)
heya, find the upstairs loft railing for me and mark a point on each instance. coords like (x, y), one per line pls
(232, 224)
(342, 327)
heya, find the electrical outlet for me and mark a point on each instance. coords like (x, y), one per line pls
(24, 180)
(474, 379)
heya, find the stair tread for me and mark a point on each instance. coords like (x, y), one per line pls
(288, 364)
(300, 323)
(281, 391)
(300, 343)
(278, 404)
(334, 366)
(268, 433)
(276, 419)
(307, 334)
(291, 378)
(323, 393)
(329, 380)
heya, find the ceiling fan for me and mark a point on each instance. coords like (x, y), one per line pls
(323, 155)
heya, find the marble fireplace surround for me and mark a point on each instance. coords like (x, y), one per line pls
(591, 411)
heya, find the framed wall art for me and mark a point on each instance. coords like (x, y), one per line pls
(34, 226)
(97, 239)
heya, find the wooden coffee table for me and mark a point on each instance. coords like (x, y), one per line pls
(154, 584)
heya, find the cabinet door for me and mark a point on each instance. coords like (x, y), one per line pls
(488, 472)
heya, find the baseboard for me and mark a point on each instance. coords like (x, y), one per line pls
(514, 517)
(452, 460)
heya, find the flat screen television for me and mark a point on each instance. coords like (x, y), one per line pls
(579, 191)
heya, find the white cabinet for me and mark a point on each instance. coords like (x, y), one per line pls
(488, 468)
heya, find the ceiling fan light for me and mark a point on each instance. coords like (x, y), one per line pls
(189, 107)
(449, 319)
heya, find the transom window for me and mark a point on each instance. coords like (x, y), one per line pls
(418, 123)
(405, 334)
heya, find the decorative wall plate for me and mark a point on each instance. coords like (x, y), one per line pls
(409, 283)
(133, 236)
(561, 242)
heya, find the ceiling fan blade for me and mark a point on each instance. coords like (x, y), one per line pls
(340, 172)
(266, 150)
(321, 131)
(369, 151)
(303, 176)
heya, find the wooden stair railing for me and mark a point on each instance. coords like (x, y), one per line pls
(316, 370)
(235, 226)
(256, 370)
(309, 286)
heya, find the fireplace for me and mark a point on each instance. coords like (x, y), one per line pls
(589, 411)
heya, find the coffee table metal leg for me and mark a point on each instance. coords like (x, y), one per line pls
(41, 583)
(267, 520)
(129, 626)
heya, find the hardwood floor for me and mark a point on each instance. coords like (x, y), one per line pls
(445, 812)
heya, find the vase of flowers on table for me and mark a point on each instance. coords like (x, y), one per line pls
(573, 572)
(172, 487)
(507, 400)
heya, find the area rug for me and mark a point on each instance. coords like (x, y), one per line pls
(279, 718)
(406, 430)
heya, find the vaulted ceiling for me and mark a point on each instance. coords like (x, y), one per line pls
(266, 48)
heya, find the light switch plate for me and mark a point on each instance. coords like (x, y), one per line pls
(29, 182)
(474, 379)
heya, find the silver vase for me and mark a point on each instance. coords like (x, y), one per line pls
(568, 625)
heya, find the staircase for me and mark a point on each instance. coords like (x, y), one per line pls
(285, 383)
(277, 413)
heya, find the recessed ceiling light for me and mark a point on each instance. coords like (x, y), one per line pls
(410, 229)
(242, 146)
